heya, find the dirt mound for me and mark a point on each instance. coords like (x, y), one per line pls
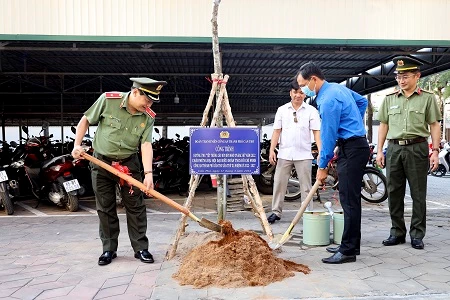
(240, 258)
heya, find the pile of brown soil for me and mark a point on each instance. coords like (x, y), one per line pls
(240, 258)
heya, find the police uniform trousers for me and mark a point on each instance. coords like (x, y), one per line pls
(353, 155)
(104, 184)
(280, 182)
(409, 162)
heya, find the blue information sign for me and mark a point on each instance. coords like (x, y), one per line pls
(227, 150)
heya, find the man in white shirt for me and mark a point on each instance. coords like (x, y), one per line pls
(292, 128)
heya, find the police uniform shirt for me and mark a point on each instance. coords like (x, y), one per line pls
(119, 132)
(408, 118)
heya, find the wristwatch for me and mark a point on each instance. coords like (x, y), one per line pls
(147, 172)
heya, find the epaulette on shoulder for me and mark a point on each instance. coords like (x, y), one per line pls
(425, 91)
(114, 95)
(393, 93)
(149, 112)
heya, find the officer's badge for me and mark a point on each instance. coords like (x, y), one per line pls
(400, 63)
(142, 125)
(159, 87)
(224, 134)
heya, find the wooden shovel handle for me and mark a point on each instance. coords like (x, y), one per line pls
(306, 202)
(137, 183)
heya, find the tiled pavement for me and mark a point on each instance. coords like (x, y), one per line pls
(54, 256)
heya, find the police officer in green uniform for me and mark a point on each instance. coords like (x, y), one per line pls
(125, 122)
(408, 116)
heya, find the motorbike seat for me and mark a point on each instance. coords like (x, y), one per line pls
(53, 160)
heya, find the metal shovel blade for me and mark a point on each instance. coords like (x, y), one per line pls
(279, 240)
(210, 225)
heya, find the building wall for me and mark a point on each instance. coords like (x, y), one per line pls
(293, 19)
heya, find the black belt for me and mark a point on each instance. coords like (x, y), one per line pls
(408, 141)
(110, 160)
(344, 141)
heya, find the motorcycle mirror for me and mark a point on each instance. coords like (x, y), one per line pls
(177, 135)
(265, 136)
(13, 144)
(156, 130)
(73, 129)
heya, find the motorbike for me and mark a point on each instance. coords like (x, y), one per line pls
(373, 185)
(171, 168)
(264, 181)
(5, 200)
(444, 161)
(35, 171)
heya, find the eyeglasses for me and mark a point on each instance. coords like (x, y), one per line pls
(295, 117)
(403, 77)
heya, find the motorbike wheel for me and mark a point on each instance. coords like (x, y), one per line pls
(264, 185)
(440, 171)
(376, 192)
(264, 182)
(293, 187)
(6, 200)
(71, 201)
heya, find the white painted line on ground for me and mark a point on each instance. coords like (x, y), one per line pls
(152, 211)
(92, 211)
(437, 203)
(30, 209)
(428, 201)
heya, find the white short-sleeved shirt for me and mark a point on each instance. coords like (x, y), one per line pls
(295, 138)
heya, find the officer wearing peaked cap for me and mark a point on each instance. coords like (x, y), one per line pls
(408, 117)
(125, 122)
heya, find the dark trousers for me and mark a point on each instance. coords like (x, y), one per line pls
(352, 158)
(104, 184)
(410, 163)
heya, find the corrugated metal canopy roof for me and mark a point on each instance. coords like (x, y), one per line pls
(36, 77)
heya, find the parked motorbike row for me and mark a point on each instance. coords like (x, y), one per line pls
(45, 170)
(36, 168)
(171, 166)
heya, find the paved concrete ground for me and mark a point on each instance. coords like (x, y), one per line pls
(52, 254)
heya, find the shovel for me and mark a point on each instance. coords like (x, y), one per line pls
(202, 222)
(279, 239)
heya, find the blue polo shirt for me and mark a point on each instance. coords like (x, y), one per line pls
(342, 112)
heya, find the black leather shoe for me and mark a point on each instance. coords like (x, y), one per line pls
(106, 258)
(272, 218)
(339, 258)
(394, 240)
(336, 249)
(417, 244)
(144, 256)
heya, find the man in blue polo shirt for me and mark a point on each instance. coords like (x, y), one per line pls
(342, 112)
